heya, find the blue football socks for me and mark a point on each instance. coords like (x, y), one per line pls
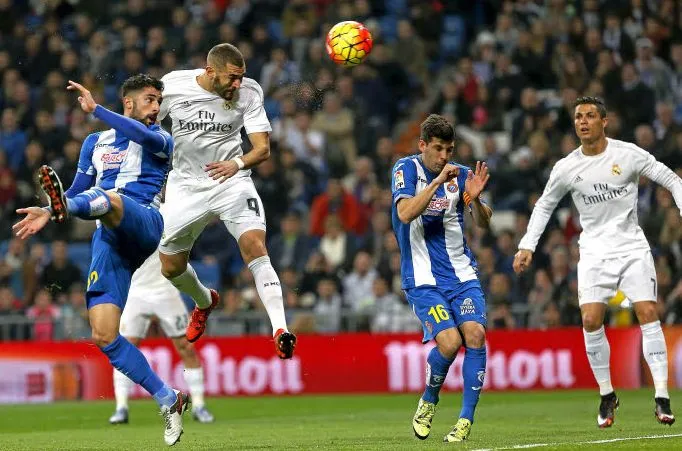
(437, 368)
(473, 373)
(130, 361)
(89, 204)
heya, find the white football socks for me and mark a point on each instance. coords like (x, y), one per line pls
(269, 291)
(599, 354)
(195, 382)
(189, 283)
(656, 356)
(122, 386)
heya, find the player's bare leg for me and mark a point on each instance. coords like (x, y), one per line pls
(599, 354)
(448, 342)
(194, 376)
(179, 272)
(473, 373)
(656, 356)
(253, 250)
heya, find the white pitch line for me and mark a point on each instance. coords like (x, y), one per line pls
(591, 442)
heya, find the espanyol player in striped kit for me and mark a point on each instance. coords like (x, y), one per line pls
(120, 175)
(439, 273)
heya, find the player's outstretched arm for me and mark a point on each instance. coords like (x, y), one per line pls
(411, 208)
(132, 129)
(36, 218)
(661, 174)
(474, 185)
(260, 151)
(554, 191)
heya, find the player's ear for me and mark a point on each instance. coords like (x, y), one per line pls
(422, 145)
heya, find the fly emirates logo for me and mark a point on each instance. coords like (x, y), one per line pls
(204, 121)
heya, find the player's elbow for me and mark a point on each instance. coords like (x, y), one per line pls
(404, 217)
(263, 153)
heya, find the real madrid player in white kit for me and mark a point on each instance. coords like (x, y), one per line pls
(151, 295)
(602, 177)
(211, 178)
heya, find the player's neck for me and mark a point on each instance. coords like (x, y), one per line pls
(204, 82)
(594, 148)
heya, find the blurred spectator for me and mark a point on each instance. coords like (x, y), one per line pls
(327, 307)
(357, 285)
(289, 248)
(336, 201)
(61, 273)
(44, 314)
(336, 122)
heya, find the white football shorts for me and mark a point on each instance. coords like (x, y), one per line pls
(634, 274)
(166, 305)
(190, 204)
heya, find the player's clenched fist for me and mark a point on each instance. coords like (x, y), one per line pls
(522, 260)
(449, 172)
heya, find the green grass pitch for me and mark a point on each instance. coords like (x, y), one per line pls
(556, 420)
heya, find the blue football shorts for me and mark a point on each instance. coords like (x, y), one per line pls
(443, 308)
(118, 252)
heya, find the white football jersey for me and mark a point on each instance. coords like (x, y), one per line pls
(206, 127)
(604, 189)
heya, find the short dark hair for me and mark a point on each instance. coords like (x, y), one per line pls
(596, 101)
(436, 126)
(223, 54)
(140, 81)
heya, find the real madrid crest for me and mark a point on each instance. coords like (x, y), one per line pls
(615, 170)
(452, 186)
(227, 105)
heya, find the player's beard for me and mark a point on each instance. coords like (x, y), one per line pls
(223, 91)
(145, 119)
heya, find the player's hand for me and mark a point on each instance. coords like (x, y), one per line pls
(477, 180)
(86, 100)
(222, 170)
(449, 172)
(36, 218)
(522, 260)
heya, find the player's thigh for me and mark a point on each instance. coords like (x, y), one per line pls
(597, 279)
(468, 304)
(185, 214)
(172, 314)
(638, 278)
(135, 319)
(432, 309)
(240, 208)
(108, 280)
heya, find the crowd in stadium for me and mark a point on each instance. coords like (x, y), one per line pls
(504, 72)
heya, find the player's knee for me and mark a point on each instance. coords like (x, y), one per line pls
(252, 247)
(646, 312)
(591, 321)
(103, 338)
(171, 269)
(475, 337)
(449, 342)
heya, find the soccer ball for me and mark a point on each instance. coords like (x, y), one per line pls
(348, 43)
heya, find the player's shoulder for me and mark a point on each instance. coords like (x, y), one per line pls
(625, 146)
(406, 163)
(251, 89)
(91, 140)
(177, 78)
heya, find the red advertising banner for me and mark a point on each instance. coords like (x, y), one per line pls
(349, 363)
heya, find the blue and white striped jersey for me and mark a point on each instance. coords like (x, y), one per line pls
(119, 163)
(433, 250)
